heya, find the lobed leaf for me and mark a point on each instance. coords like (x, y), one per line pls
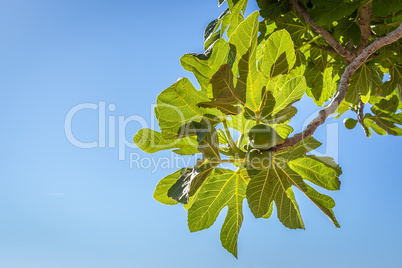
(385, 117)
(282, 130)
(347, 30)
(151, 141)
(240, 123)
(321, 85)
(177, 105)
(363, 82)
(324, 13)
(298, 150)
(316, 170)
(223, 188)
(160, 193)
(208, 141)
(288, 170)
(324, 203)
(274, 185)
(291, 91)
(243, 43)
(279, 54)
(225, 94)
(395, 82)
(382, 8)
(298, 28)
(235, 17)
(272, 9)
(179, 190)
(342, 108)
(190, 181)
(232, 4)
(205, 65)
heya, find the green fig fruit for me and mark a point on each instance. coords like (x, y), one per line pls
(349, 123)
(260, 160)
(264, 137)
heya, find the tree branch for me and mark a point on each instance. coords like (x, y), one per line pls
(349, 56)
(360, 117)
(329, 49)
(364, 24)
(342, 88)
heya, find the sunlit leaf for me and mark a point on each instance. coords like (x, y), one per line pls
(321, 86)
(190, 180)
(160, 193)
(321, 171)
(223, 188)
(279, 54)
(385, 116)
(289, 169)
(395, 82)
(325, 12)
(151, 141)
(363, 81)
(271, 185)
(298, 28)
(292, 90)
(244, 42)
(177, 105)
(205, 65)
(225, 94)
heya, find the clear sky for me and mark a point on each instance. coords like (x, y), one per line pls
(65, 206)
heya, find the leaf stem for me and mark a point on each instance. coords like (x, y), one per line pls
(230, 139)
(360, 117)
(309, 42)
(240, 140)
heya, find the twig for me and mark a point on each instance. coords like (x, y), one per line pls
(329, 49)
(360, 118)
(349, 56)
(342, 88)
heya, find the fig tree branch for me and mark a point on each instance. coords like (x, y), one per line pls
(364, 24)
(329, 49)
(342, 88)
(360, 117)
(349, 56)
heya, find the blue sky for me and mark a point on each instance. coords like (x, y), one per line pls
(63, 206)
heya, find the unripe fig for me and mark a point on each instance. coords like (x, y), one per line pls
(349, 123)
(260, 160)
(264, 137)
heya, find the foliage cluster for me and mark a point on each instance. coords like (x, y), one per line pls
(252, 72)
